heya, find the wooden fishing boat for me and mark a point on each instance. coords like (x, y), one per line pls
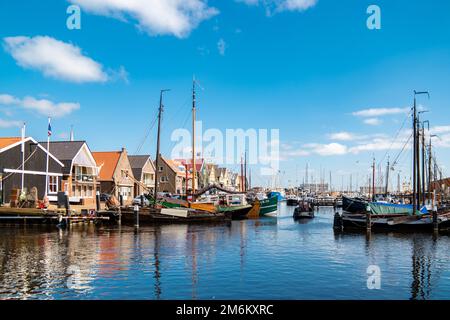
(304, 211)
(354, 205)
(171, 215)
(292, 200)
(265, 207)
(234, 206)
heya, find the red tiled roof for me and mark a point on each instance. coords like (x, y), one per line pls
(5, 142)
(107, 161)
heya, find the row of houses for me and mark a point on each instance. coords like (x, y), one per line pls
(81, 173)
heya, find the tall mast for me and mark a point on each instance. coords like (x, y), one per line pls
(423, 165)
(193, 136)
(245, 172)
(242, 175)
(430, 157)
(373, 181)
(416, 154)
(387, 177)
(158, 142)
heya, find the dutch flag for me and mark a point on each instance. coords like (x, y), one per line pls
(49, 129)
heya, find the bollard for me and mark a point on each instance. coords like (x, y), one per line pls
(435, 221)
(368, 221)
(136, 214)
(97, 201)
(66, 204)
(337, 224)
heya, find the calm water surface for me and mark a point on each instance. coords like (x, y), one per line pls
(264, 259)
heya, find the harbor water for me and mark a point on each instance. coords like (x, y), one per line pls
(251, 259)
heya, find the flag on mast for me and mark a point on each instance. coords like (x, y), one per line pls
(49, 133)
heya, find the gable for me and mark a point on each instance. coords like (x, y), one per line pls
(84, 158)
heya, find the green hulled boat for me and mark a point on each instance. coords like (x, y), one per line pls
(268, 206)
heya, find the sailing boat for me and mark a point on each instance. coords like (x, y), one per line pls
(401, 216)
(163, 212)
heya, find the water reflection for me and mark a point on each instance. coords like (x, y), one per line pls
(255, 259)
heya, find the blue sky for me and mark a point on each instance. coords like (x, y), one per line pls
(306, 69)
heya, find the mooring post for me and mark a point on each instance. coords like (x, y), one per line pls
(136, 214)
(368, 221)
(67, 207)
(337, 224)
(97, 201)
(66, 204)
(435, 221)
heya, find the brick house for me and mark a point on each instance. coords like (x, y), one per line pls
(144, 173)
(115, 174)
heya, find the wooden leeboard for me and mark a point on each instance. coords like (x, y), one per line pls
(175, 212)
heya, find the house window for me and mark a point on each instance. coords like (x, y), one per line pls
(161, 169)
(125, 192)
(53, 184)
(164, 179)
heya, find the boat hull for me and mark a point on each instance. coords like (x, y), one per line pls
(269, 207)
(236, 213)
(300, 214)
(353, 205)
(154, 216)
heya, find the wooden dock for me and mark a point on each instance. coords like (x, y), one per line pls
(39, 216)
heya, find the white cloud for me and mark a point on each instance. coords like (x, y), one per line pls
(221, 46)
(330, 149)
(42, 106)
(155, 17)
(344, 136)
(10, 124)
(281, 5)
(440, 129)
(373, 121)
(6, 99)
(54, 58)
(380, 144)
(378, 112)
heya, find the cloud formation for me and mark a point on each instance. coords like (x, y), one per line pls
(54, 58)
(4, 124)
(155, 17)
(274, 6)
(378, 112)
(42, 106)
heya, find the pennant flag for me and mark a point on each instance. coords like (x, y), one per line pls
(49, 129)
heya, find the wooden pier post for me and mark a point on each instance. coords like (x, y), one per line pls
(136, 214)
(368, 221)
(337, 224)
(435, 222)
(66, 204)
(97, 201)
